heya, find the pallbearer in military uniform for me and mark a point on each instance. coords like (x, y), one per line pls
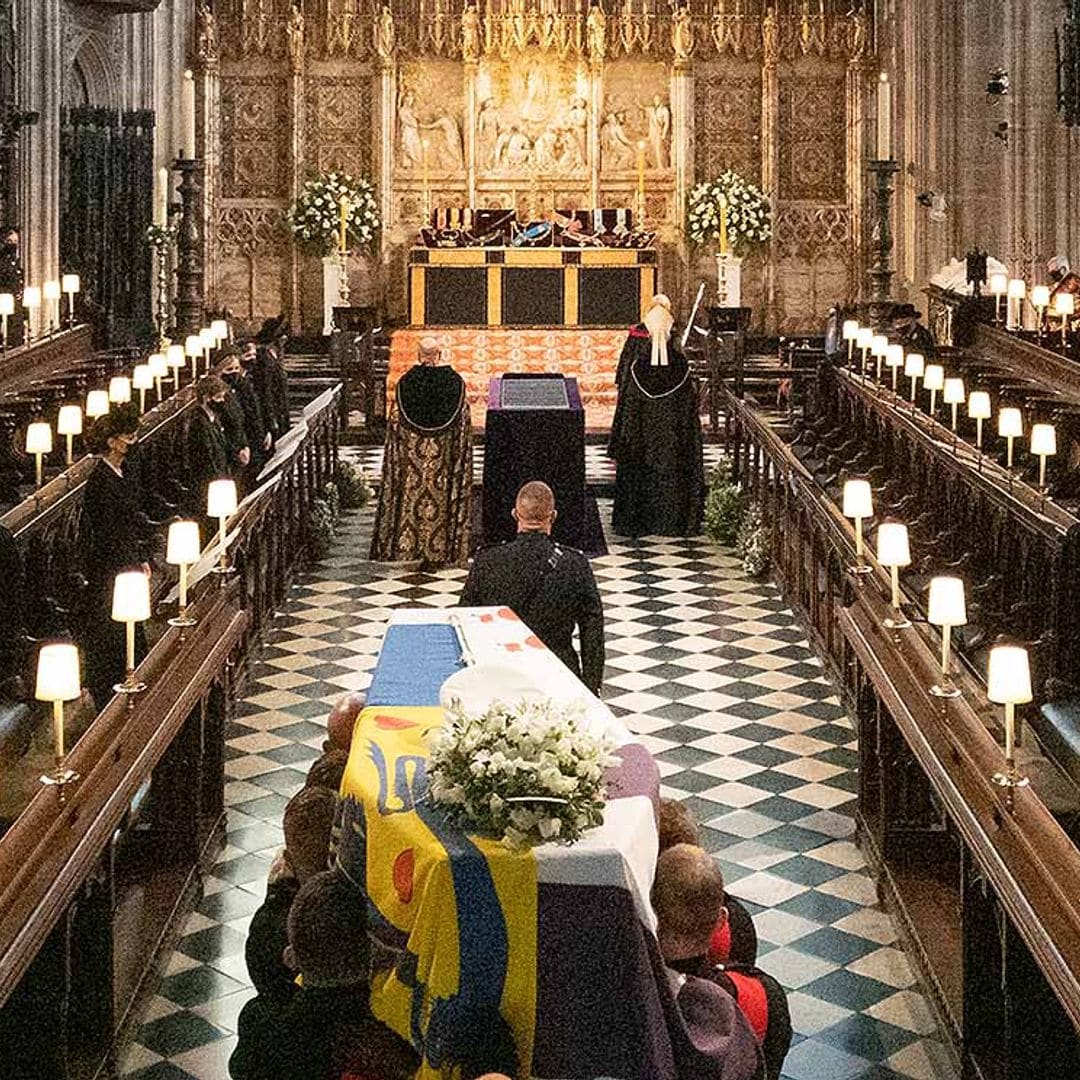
(551, 588)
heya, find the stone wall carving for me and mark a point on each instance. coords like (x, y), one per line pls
(811, 135)
(637, 107)
(429, 118)
(727, 121)
(254, 127)
(245, 230)
(338, 130)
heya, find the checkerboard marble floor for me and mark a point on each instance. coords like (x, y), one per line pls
(715, 674)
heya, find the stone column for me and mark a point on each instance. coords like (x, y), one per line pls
(682, 130)
(208, 148)
(856, 174)
(296, 49)
(770, 162)
(40, 86)
(472, 69)
(384, 131)
(596, 118)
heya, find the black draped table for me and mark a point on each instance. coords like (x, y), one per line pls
(535, 430)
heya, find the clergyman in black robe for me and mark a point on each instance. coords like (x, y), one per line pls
(116, 536)
(425, 500)
(656, 434)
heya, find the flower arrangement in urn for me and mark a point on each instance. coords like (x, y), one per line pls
(328, 202)
(528, 773)
(729, 212)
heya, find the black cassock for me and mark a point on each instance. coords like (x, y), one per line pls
(116, 535)
(656, 444)
(272, 385)
(208, 457)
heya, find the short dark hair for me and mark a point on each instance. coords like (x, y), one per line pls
(327, 930)
(307, 823)
(209, 386)
(327, 771)
(676, 825)
(119, 420)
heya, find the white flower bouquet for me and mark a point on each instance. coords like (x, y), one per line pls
(749, 215)
(315, 217)
(528, 773)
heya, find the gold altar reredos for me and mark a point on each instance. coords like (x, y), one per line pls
(534, 104)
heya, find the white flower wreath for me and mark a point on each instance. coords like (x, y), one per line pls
(749, 215)
(315, 217)
(527, 773)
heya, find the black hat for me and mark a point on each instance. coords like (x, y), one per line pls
(271, 330)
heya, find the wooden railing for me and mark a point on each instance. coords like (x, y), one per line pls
(982, 877)
(92, 883)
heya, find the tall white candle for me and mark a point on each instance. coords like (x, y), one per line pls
(161, 202)
(187, 113)
(884, 118)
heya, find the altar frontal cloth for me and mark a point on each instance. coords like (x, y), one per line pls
(552, 940)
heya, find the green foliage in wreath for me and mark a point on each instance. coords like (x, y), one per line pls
(753, 542)
(314, 218)
(725, 505)
(353, 485)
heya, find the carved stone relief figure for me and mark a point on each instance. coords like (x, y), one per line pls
(659, 116)
(682, 33)
(442, 134)
(410, 145)
(770, 37)
(596, 31)
(470, 34)
(857, 35)
(384, 34)
(206, 47)
(294, 38)
(616, 146)
(636, 109)
(532, 120)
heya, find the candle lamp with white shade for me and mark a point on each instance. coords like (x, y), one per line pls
(142, 379)
(914, 367)
(31, 301)
(209, 344)
(979, 410)
(999, 286)
(895, 359)
(1008, 683)
(879, 348)
(220, 327)
(159, 369)
(1064, 308)
(69, 423)
(849, 332)
(193, 349)
(863, 341)
(182, 549)
(97, 404)
(946, 608)
(7, 309)
(120, 390)
(175, 358)
(858, 505)
(1040, 301)
(933, 380)
(893, 552)
(70, 285)
(954, 396)
(130, 605)
(1017, 295)
(39, 442)
(58, 680)
(1010, 428)
(50, 295)
(1043, 445)
(221, 504)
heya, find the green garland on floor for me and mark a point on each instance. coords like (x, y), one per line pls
(725, 505)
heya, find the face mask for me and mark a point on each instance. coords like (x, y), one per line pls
(231, 377)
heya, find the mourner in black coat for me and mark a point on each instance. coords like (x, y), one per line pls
(117, 535)
(551, 588)
(656, 435)
(256, 433)
(263, 360)
(208, 454)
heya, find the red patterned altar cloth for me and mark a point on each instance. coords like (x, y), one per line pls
(589, 355)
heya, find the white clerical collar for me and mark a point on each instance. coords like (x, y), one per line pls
(119, 472)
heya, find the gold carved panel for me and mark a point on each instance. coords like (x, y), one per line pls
(812, 135)
(244, 230)
(254, 136)
(532, 119)
(637, 108)
(727, 121)
(430, 108)
(338, 111)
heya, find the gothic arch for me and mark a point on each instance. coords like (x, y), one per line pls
(92, 71)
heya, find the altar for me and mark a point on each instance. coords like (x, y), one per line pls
(524, 287)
